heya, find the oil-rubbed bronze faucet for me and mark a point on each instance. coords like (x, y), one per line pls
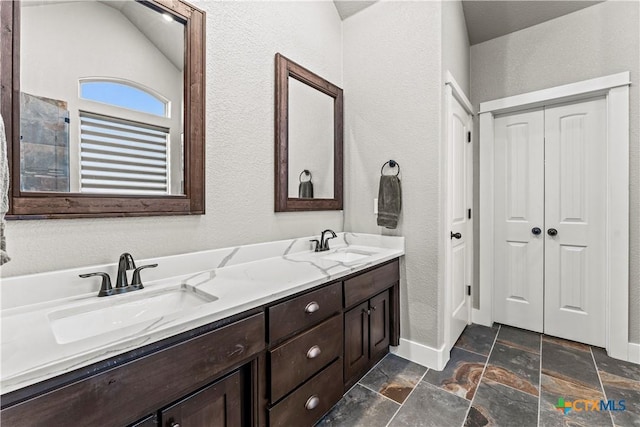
(323, 244)
(124, 264)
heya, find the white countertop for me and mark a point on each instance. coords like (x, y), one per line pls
(30, 352)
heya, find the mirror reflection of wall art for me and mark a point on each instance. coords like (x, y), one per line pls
(308, 138)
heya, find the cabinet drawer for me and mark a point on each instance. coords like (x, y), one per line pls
(304, 311)
(368, 284)
(306, 405)
(299, 358)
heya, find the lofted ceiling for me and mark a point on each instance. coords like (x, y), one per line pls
(487, 19)
(346, 8)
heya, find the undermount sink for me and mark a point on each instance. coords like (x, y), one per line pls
(118, 312)
(348, 256)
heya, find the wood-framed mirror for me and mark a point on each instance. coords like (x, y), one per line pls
(110, 122)
(308, 140)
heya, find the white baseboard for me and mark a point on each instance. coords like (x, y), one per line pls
(422, 354)
(634, 352)
(481, 317)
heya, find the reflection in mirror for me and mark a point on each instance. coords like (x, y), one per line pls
(101, 98)
(310, 142)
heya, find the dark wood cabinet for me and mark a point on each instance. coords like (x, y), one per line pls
(366, 336)
(379, 321)
(217, 405)
(356, 340)
(128, 392)
(281, 364)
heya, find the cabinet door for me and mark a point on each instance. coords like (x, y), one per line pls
(218, 405)
(356, 341)
(379, 323)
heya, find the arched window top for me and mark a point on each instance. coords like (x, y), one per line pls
(125, 95)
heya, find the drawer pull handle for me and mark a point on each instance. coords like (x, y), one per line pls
(312, 402)
(313, 352)
(312, 307)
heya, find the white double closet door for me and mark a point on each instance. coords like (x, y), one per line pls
(550, 213)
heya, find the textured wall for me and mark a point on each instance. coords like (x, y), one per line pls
(455, 43)
(593, 42)
(242, 39)
(392, 82)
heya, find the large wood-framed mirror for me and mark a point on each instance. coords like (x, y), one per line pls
(308, 140)
(103, 105)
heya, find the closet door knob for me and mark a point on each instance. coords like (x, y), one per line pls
(456, 235)
(536, 231)
(552, 232)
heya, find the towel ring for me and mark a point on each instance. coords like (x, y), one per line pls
(306, 172)
(392, 164)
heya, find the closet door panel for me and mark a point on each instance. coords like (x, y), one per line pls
(519, 211)
(575, 207)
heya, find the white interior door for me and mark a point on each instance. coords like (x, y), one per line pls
(459, 235)
(575, 207)
(518, 222)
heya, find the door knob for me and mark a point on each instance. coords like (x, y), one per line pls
(456, 235)
(552, 232)
(536, 231)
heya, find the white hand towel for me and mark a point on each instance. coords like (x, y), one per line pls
(4, 192)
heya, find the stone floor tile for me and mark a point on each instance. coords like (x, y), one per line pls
(394, 377)
(477, 338)
(429, 406)
(461, 375)
(497, 405)
(360, 407)
(515, 368)
(519, 338)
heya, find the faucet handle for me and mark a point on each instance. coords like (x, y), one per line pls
(105, 287)
(136, 281)
(318, 245)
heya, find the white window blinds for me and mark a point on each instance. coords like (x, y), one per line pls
(121, 156)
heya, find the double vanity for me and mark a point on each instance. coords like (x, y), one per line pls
(267, 334)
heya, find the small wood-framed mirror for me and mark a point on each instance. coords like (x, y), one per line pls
(308, 140)
(103, 104)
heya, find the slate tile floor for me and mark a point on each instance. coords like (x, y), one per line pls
(499, 376)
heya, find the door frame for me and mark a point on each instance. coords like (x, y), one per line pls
(615, 88)
(453, 92)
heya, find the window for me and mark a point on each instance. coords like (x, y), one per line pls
(123, 95)
(120, 156)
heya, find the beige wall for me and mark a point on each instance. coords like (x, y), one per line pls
(392, 82)
(242, 39)
(593, 42)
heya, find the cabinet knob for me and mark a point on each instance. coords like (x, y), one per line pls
(312, 307)
(312, 402)
(313, 352)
